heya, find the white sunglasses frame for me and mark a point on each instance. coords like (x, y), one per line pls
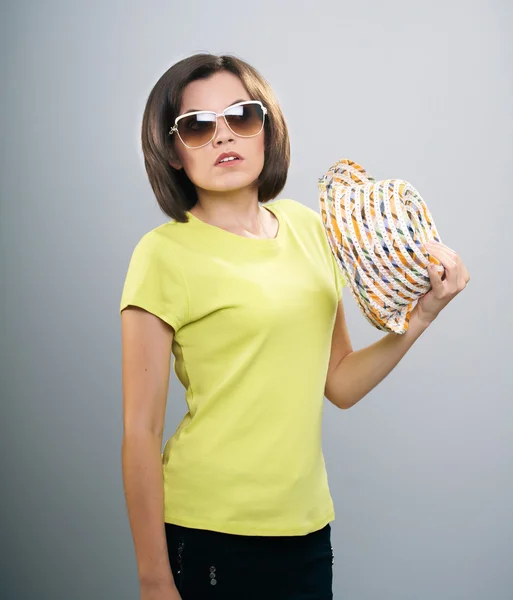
(217, 115)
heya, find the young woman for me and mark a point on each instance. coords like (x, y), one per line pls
(246, 295)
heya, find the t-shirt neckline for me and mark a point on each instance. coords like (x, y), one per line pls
(235, 238)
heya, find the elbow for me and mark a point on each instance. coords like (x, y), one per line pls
(344, 404)
(143, 433)
(337, 399)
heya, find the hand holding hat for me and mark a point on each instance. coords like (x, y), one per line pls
(443, 288)
(380, 233)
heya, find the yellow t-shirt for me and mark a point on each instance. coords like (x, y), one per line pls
(253, 321)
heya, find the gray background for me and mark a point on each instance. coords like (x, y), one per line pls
(421, 469)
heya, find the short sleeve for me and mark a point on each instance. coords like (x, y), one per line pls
(154, 281)
(340, 280)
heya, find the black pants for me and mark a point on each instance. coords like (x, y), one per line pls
(213, 565)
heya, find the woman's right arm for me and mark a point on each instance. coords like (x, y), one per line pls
(146, 355)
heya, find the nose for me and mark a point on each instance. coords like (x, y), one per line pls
(223, 133)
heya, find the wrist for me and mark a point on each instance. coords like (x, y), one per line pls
(419, 319)
(157, 581)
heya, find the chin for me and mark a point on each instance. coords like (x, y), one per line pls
(232, 182)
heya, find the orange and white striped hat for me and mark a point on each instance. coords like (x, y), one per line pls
(377, 231)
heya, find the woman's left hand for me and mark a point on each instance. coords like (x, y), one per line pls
(444, 287)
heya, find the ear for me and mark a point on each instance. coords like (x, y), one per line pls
(176, 165)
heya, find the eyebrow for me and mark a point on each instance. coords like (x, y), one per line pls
(198, 109)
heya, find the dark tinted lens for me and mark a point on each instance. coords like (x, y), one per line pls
(245, 119)
(197, 129)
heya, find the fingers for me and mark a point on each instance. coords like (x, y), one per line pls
(446, 257)
(457, 275)
(446, 248)
(436, 279)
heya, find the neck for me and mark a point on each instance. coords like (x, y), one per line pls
(239, 211)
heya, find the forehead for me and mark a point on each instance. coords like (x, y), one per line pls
(214, 93)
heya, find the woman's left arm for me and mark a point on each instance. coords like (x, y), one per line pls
(353, 374)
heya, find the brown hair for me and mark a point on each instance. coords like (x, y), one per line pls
(174, 190)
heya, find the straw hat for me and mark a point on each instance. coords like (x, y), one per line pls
(377, 231)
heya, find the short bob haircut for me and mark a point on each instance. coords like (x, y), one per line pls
(175, 192)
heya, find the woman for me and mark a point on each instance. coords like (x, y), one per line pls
(247, 296)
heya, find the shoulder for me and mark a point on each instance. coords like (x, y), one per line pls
(158, 244)
(159, 238)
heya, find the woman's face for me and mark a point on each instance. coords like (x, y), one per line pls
(216, 93)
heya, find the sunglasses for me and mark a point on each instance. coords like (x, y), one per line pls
(197, 129)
